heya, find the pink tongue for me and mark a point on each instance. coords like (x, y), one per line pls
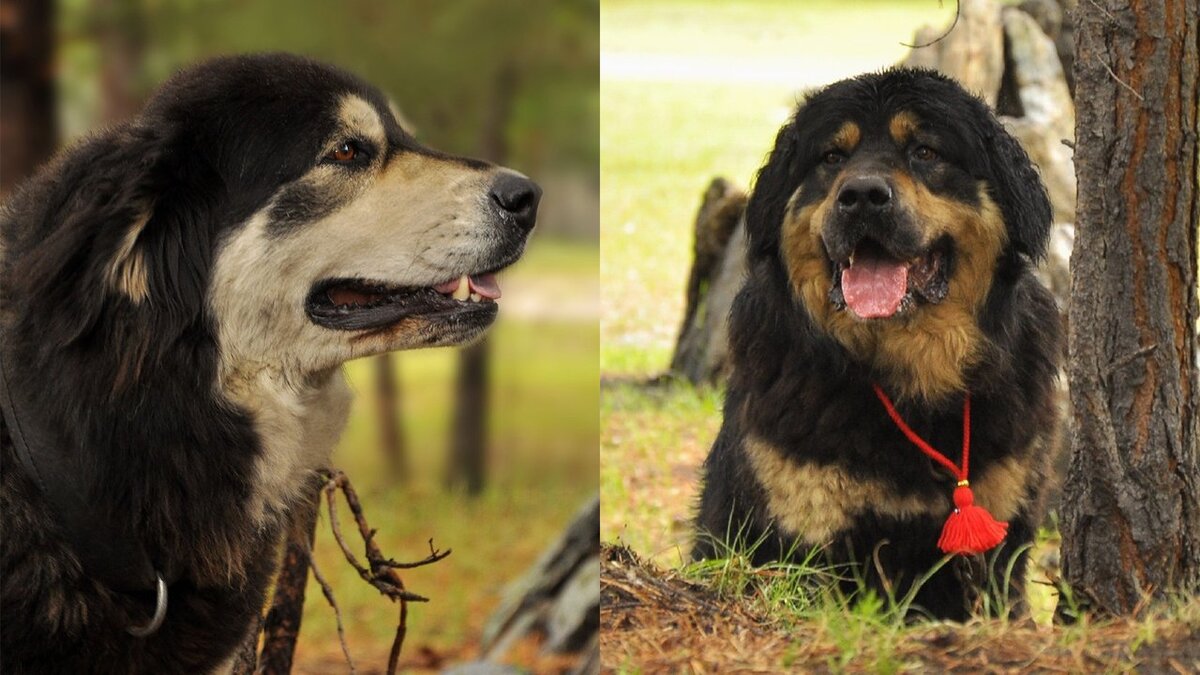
(873, 287)
(485, 285)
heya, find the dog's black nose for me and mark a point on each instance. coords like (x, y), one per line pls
(864, 195)
(518, 196)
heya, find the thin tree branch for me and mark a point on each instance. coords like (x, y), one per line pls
(943, 36)
(380, 571)
(337, 611)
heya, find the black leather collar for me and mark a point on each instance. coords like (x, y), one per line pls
(107, 548)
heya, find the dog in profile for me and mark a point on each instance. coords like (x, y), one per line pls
(892, 233)
(177, 295)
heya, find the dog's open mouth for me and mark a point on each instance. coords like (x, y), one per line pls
(874, 284)
(357, 304)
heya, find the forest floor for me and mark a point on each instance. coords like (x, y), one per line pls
(655, 620)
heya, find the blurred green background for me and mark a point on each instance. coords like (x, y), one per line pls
(512, 80)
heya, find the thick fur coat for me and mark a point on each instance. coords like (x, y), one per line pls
(177, 294)
(891, 236)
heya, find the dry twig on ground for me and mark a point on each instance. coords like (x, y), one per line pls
(282, 625)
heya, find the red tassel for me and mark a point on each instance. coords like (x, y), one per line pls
(970, 529)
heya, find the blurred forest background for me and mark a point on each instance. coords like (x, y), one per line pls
(513, 82)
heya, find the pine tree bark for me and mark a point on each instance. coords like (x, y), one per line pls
(1131, 506)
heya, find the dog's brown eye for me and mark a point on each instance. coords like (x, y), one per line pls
(343, 153)
(924, 153)
(833, 157)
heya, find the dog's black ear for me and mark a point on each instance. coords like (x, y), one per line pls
(1018, 191)
(109, 234)
(773, 187)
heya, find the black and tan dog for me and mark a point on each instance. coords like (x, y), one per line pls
(891, 236)
(177, 296)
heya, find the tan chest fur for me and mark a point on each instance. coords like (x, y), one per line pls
(815, 501)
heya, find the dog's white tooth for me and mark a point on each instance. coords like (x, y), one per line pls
(475, 297)
(464, 289)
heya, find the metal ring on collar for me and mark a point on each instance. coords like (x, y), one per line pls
(160, 612)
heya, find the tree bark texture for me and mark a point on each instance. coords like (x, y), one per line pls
(1131, 506)
(28, 132)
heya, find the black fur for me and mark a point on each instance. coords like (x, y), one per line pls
(799, 389)
(131, 386)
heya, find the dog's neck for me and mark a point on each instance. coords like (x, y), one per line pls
(298, 419)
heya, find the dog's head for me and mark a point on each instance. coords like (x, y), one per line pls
(891, 201)
(278, 202)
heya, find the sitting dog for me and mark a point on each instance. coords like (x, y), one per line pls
(177, 295)
(890, 325)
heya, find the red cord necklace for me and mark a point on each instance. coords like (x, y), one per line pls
(969, 528)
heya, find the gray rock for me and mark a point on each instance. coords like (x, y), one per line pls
(574, 614)
(559, 596)
(482, 668)
(1047, 13)
(1047, 110)
(1055, 270)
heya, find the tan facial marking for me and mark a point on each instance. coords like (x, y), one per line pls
(902, 127)
(127, 271)
(927, 352)
(847, 137)
(358, 117)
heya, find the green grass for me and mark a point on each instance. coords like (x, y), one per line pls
(656, 162)
(867, 632)
(652, 441)
(542, 466)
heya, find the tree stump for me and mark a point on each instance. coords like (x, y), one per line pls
(718, 270)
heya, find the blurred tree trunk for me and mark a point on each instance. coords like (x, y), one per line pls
(119, 29)
(468, 459)
(1131, 506)
(391, 424)
(28, 119)
(281, 628)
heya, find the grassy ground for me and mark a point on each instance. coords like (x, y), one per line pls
(652, 440)
(542, 466)
(730, 618)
